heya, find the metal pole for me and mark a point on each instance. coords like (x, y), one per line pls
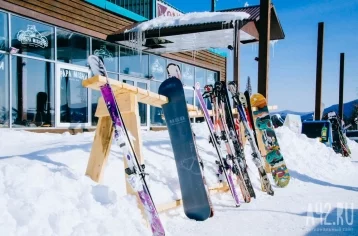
(319, 71)
(341, 86)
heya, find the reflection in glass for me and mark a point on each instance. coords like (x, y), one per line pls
(33, 92)
(109, 52)
(4, 91)
(72, 48)
(73, 97)
(4, 41)
(156, 114)
(32, 38)
(157, 68)
(133, 64)
(210, 77)
(188, 80)
(142, 107)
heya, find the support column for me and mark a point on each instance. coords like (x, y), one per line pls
(318, 101)
(213, 3)
(341, 86)
(236, 49)
(264, 47)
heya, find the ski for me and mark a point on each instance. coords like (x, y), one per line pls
(239, 150)
(216, 144)
(135, 171)
(256, 155)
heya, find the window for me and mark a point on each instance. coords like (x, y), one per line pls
(200, 76)
(157, 68)
(211, 77)
(131, 63)
(73, 97)
(156, 113)
(32, 38)
(3, 32)
(72, 48)
(4, 91)
(109, 52)
(187, 72)
(33, 92)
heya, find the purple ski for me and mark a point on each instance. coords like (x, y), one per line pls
(135, 171)
(217, 145)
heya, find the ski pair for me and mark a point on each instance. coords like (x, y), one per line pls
(135, 171)
(222, 133)
(223, 163)
(235, 147)
(241, 101)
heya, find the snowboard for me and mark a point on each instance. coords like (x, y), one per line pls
(195, 194)
(266, 132)
(339, 144)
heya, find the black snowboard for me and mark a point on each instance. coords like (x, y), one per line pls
(196, 202)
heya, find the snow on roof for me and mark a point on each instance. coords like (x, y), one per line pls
(192, 18)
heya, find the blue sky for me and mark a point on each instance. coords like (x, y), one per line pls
(293, 59)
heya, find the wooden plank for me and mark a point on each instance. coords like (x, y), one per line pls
(74, 13)
(173, 204)
(100, 149)
(59, 16)
(143, 96)
(25, 11)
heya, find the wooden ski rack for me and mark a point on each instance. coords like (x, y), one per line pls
(127, 97)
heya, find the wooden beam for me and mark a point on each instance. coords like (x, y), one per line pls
(143, 95)
(318, 100)
(48, 19)
(264, 47)
(236, 66)
(219, 188)
(100, 149)
(341, 86)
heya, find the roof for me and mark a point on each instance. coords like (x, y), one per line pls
(195, 31)
(254, 11)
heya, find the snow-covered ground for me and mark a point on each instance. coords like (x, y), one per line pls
(43, 189)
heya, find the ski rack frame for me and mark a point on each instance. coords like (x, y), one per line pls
(127, 97)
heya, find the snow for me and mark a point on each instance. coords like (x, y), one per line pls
(44, 190)
(192, 18)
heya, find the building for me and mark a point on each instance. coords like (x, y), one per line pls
(44, 45)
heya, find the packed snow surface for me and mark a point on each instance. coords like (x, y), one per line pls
(192, 18)
(44, 190)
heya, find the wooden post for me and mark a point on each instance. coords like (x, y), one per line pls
(100, 149)
(236, 60)
(264, 53)
(341, 86)
(318, 100)
(213, 3)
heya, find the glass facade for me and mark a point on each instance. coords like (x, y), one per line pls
(42, 68)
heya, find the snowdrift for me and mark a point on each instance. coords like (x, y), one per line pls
(43, 190)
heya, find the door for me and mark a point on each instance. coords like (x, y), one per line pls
(144, 109)
(73, 103)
